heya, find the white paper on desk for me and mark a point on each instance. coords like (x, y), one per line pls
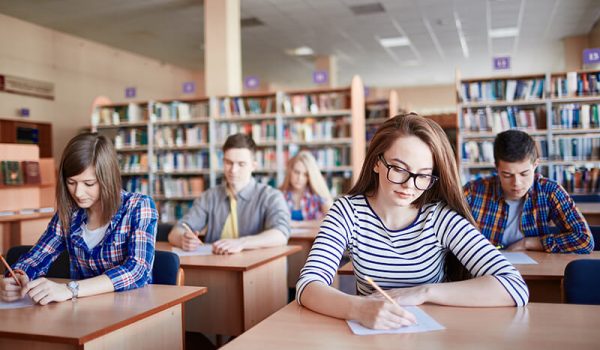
(519, 258)
(424, 324)
(205, 249)
(25, 302)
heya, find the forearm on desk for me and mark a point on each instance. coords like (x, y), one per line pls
(265, 239)
(329, 301)
(477, 292)
(95, 285)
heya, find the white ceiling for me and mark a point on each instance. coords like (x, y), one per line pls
(172, 31)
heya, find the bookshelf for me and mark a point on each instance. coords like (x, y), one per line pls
(377, 111)
(171, 149)
(559, 110)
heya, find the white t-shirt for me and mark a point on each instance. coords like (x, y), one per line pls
(93, 237)
(513, 233)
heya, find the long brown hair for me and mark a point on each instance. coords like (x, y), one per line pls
(446, 189)
(81, 152)
(316, 182)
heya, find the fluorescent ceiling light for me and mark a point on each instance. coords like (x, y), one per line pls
(300, 51)
(461, 36)
(503, 32)
(394, 42)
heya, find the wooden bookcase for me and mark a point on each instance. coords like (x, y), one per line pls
(27, 132)
(165, 147)
(559, 110)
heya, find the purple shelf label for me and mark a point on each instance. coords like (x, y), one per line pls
(502, 62)
(591, 56)
(188, 87)
(130, 92)
(251, 82)
(320, 77)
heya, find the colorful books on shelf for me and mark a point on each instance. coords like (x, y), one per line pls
(180, 111)
(575, 115)
(572, 84)
(12, 172)
(578, 180)
(302, 103)
(500, 119)
(502, 90)
(576, 148)
(243, 106)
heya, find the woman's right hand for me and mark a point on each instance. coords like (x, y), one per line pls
(381, 314)
(10, 290)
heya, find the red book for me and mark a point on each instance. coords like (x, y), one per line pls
(31, 172)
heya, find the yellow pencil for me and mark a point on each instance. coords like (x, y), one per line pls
(381, 290)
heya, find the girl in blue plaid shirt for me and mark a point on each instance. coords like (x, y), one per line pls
(108, 233)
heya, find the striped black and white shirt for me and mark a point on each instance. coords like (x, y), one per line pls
(407, 257)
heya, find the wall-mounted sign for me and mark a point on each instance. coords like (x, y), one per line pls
(130, 92)
(501, 63)
(320, 77)
(28, 87)
(591, 56)
(251, 82)
(188, 87)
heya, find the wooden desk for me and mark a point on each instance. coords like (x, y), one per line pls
(544, 279)
(145, 318)
(303, 237)
(536, 326)
(244, 288)
(591, 212)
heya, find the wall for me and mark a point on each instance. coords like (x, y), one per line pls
(80, 70)
(426, 99)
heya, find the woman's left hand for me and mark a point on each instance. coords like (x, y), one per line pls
(43, 291)
(405, 296)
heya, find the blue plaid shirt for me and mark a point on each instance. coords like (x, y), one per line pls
(545, 202)
(125, 255)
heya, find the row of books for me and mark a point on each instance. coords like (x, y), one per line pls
(171, 211)
(179, 111)
(312, 130)
(500, 119)
(483, 151)
(117, 115)
(263, 131)
(377, 110)
(182, 161)
(576, 148)
(315, 103)
(136, 184)
(243, 106)
(575, 84)
(133, 137)
(166, 136)
(575, 115)
(179, 186)
(133, 162)
(19, 172)
(578, 179)
(502, 90)
(326, 157)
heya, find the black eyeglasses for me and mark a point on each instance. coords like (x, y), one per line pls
(398, 175)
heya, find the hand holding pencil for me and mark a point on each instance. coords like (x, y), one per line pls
(10, 287)
(190, 240)
(384, 314)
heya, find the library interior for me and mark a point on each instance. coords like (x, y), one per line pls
(251, 174)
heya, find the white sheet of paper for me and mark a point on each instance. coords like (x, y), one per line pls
(424, 324)
(25, 302)
(205, 249)
(519, 258)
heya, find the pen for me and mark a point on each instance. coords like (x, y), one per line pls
(12, 273)
(187, 227)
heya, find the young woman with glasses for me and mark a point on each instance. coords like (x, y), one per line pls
(401, 219)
